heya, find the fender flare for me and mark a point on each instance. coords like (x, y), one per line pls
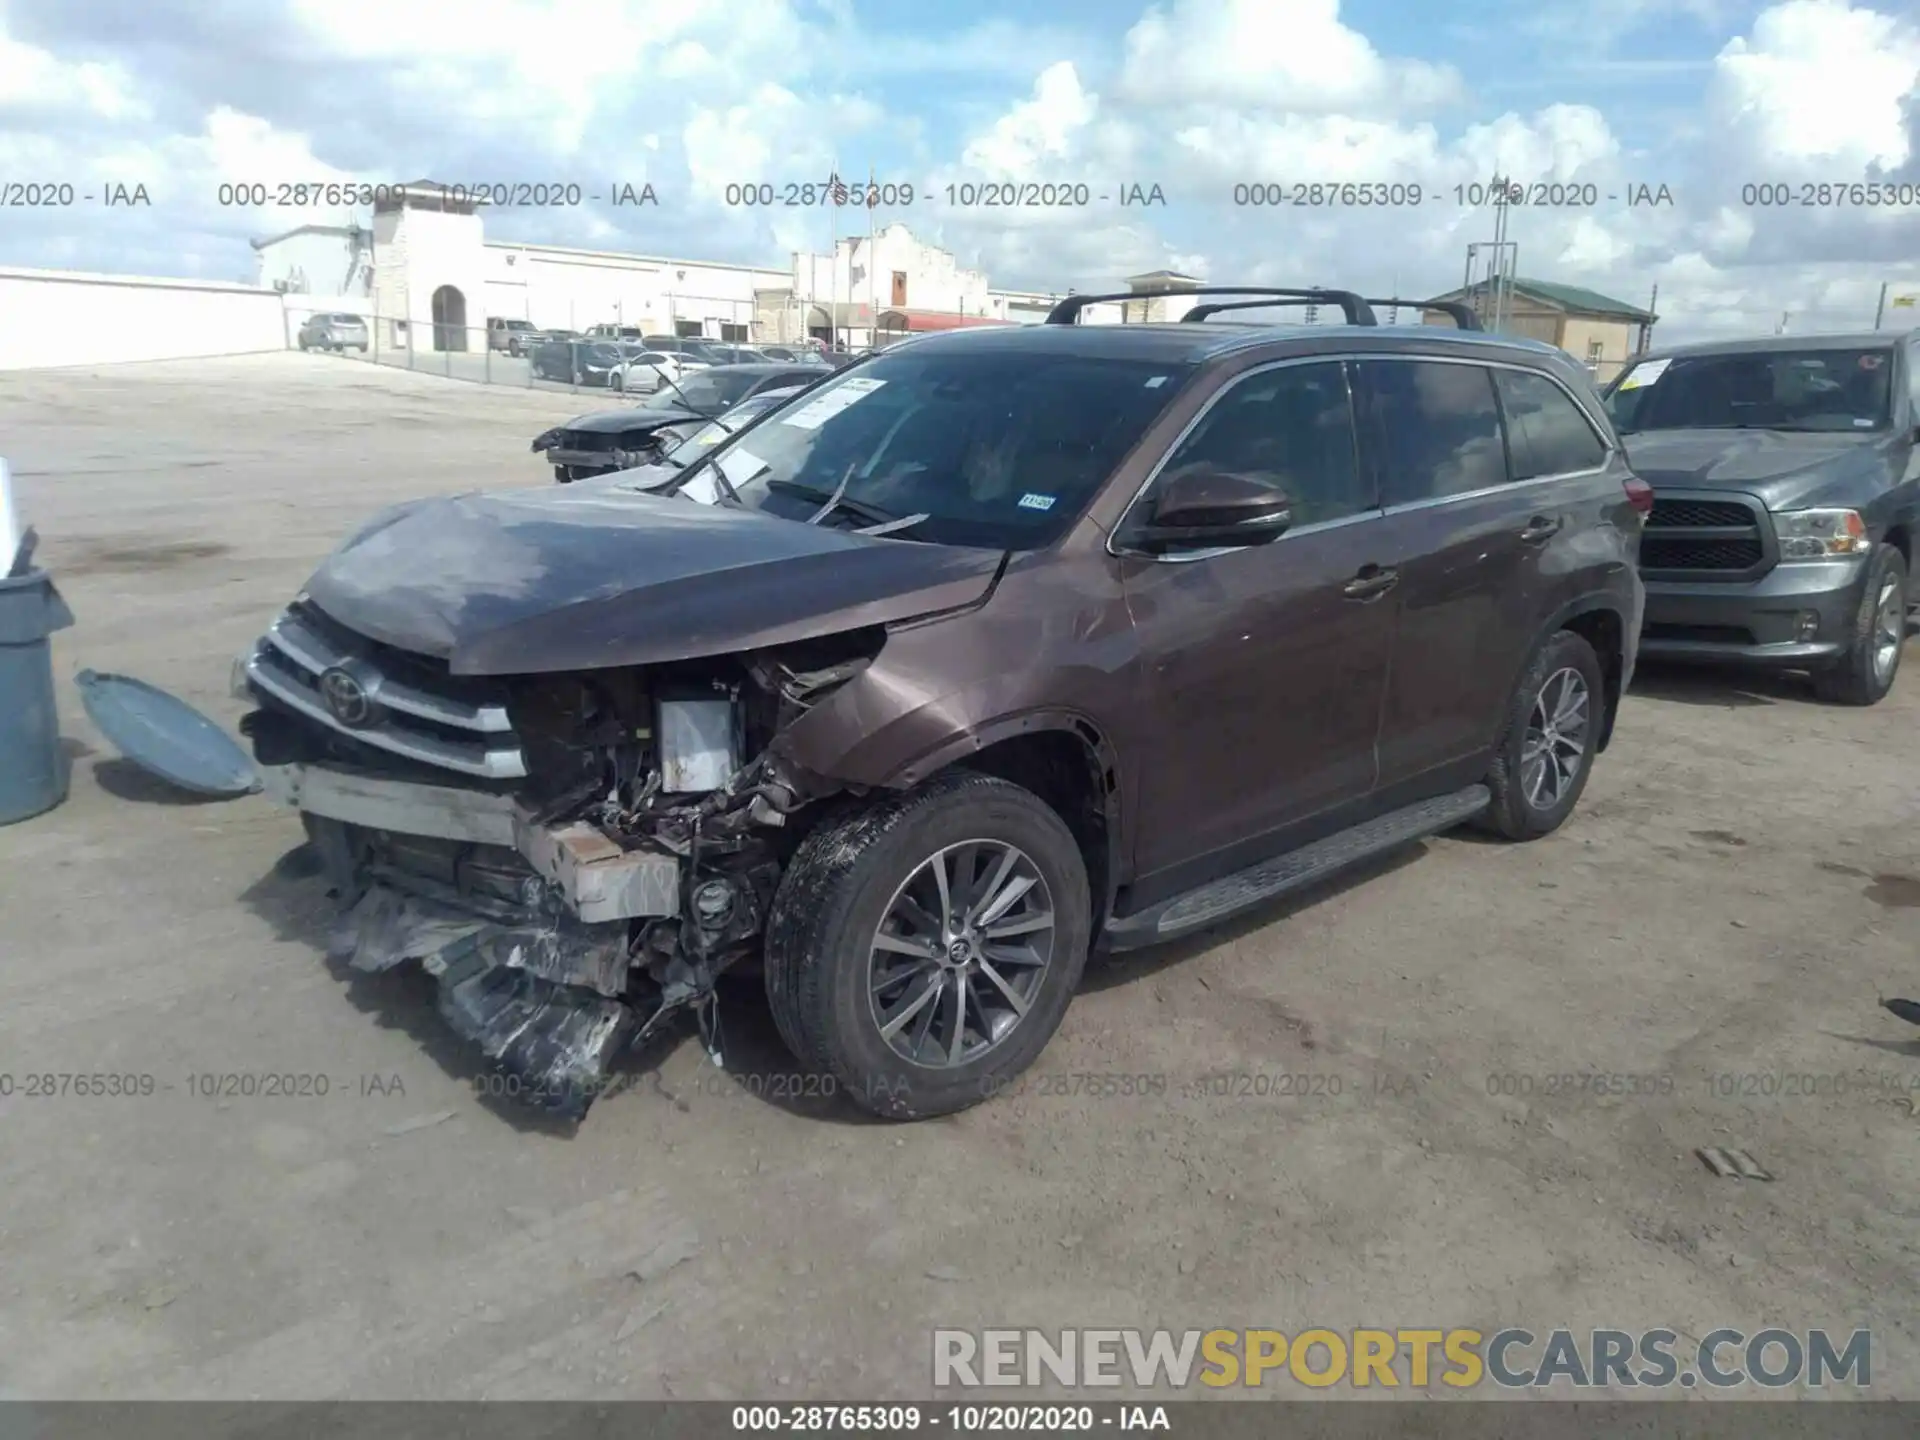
(1109, 775)
(1592, 602)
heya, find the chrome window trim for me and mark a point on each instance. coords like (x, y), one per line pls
(1188, 557)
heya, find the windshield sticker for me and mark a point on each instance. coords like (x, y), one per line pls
(816, 412)
(1156, 382)
(1030, 501)
(740, 465)
(1869, 362)
(1645, 374)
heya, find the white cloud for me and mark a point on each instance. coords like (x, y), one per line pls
(1820, 82)
(1272, 55)
(34, 79)
(1193, 95)
(1042, 130)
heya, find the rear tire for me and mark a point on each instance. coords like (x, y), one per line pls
(1548, 742)
(837, 926)
(1876, 637)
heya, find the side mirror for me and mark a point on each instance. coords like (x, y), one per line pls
(1201, 509)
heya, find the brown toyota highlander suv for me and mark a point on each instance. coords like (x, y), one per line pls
(990, 650)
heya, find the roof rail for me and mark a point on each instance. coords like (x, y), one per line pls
(1357, 311)
(1463, 317)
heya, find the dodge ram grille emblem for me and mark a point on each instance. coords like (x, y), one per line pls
(346, 697)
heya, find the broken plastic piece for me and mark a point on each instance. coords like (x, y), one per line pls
(1731, 1164)
(165, 736)
(555, 1040)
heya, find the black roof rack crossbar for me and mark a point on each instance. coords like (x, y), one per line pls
(1463, 317)
(1357, 311)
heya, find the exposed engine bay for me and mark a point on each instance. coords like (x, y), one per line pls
(571, 912)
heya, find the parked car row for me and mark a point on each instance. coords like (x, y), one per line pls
(644, 364)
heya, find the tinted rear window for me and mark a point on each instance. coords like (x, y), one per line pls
(1546, 431)
(1438, 426)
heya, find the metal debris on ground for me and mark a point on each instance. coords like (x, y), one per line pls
(1731, 1164)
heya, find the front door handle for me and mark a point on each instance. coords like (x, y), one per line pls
(1541, 527)
(1371, 583)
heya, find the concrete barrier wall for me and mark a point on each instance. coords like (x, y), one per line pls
(67, 317)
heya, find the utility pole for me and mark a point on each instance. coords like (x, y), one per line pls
(1880, 310)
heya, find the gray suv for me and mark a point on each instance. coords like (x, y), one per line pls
(334, 332)
(1785, 503)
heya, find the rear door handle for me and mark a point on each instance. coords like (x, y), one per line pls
(1371, 583)
(1541, 527)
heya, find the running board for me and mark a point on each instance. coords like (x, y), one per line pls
(1270, 879)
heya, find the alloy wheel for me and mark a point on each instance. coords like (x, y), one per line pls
(1889, 628)
(1555, 746)
(961, 953)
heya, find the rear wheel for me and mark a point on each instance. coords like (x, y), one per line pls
(1876, 637)
(924, 949)
(1548, 742)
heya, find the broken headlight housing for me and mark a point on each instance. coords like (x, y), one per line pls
(1821, 534)
(547, 439)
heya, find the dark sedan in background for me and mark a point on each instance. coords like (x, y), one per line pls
(580, 362)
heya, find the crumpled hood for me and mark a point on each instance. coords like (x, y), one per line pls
(1782, 468)
(537, 581)
(633, 417)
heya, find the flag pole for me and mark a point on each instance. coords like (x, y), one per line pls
(873, 262)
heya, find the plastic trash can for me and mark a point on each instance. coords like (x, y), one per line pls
(34, 769)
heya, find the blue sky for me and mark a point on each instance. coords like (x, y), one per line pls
(1700, 95)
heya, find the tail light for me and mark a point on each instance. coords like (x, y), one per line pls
(1639, 496)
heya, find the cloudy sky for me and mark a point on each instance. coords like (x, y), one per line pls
(1703, 97)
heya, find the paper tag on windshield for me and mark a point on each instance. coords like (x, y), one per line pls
(818, 411)
(740, 465)
(1645, 374)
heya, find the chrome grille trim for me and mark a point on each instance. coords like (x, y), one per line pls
(286, 667)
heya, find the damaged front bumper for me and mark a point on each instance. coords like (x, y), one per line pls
(554, 946)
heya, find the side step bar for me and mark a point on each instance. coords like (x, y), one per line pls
(1270, 879)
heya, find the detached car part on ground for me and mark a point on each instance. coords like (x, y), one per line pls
(1786, 503)
(989, 647)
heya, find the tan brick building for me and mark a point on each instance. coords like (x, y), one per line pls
(1597, 331)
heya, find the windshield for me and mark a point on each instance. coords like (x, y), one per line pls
(709, 391)
(997, 449)
(713, 432)
(1830, 390)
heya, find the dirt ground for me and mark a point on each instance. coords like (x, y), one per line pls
(1740, 883)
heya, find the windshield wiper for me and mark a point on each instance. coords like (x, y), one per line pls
(727, 492)
(832, 500)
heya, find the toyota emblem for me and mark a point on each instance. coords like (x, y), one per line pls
(347, 698)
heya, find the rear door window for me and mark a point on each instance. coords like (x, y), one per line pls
(1438, 428)
(1546, 431)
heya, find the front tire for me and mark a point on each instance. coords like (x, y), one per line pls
(1876, 637)
(923, 949)
(1548, 742)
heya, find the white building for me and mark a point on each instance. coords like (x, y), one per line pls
(323, 260)
(573, 289)
(429, 278)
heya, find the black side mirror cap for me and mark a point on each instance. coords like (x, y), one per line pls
(1202, 509)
